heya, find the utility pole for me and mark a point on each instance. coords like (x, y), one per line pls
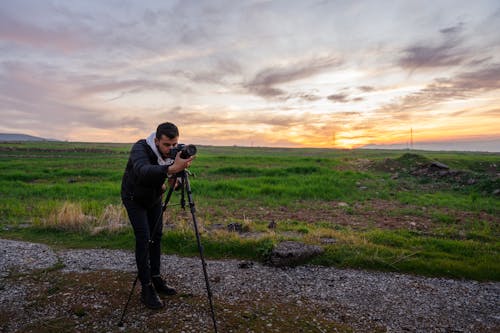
(411, 138)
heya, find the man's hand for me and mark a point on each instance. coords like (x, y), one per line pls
(180, 164)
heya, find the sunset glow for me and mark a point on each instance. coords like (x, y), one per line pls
(336, 74)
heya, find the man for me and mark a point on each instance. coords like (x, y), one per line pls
(142, 187)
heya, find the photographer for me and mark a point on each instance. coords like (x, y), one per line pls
(142, 187)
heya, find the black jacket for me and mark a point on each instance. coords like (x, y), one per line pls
(143, 177)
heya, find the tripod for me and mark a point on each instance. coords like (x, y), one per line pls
(185, 186)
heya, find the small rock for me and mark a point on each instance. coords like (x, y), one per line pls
(292, 253)
(439, 165)
(327, 240)
(235, 227)
(245, 264)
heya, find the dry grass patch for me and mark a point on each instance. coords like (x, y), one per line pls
(69, 217)
(113, 219)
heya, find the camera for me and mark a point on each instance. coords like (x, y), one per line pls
(186, 151)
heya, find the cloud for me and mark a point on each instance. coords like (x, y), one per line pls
(309, 97)
(124, 86)
(124, 66)
(45, 98)
(151, 17)
(486, 78)
(16, 31)
(366, 88)
(344, 98)
(229, 117)
(340, 98)
(216, 70)
(265, 82)
(444, 54)
(463, 86)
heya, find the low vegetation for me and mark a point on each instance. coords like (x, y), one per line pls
(374, 209)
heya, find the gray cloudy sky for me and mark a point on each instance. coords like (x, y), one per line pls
(273, 73)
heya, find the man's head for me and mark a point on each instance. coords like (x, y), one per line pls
(167, 136)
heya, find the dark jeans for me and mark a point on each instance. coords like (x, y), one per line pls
(147, 254)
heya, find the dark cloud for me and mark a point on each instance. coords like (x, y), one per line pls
(309, 97)
(263, 84)
(479, 61)
(344, 98)
(304, 96)
(486, 78)
(459, 113)
(366, 88)
(430, 57)
(446, 53)
(340, 98)
(463, 86)
(454, 30)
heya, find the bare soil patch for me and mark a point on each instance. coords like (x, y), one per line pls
(375, 213)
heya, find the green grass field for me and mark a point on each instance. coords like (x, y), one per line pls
(372, 209)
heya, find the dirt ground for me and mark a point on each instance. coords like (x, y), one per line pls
(94, 301)
(375, 213)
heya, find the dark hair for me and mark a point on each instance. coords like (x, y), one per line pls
(167, 129)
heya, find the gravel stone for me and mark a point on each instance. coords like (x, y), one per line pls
(20, 255)
(398, 302)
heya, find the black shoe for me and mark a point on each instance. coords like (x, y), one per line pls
(161, 287)
(150, 298)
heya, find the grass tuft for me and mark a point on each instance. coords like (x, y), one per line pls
(113, 219)
(68, 217)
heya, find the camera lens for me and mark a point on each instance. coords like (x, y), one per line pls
(188, 151)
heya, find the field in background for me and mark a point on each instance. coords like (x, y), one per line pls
(374, 209)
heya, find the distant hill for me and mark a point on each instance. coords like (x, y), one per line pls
(491, 145)
(21, 137)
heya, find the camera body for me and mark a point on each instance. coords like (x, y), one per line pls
(186, 151)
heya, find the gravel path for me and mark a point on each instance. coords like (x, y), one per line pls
(394, 302)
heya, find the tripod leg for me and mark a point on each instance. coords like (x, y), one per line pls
(200, 248)
(128, 301)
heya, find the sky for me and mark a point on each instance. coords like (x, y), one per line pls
(337, 74)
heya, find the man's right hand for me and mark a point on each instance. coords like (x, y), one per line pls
(180, 164)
